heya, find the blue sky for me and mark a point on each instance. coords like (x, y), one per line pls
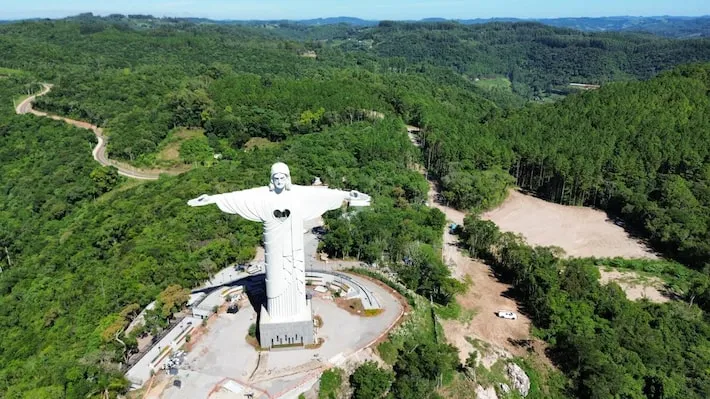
(367, 9)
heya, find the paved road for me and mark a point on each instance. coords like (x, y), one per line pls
(99, 152)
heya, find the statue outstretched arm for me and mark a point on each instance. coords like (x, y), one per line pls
(202, 200)
(246, 203)
(356, 198)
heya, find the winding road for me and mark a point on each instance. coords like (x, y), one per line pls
(99, 152)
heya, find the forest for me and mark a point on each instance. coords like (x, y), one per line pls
(638, 150)
(81, 248)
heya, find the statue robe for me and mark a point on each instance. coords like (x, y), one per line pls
(283, 215)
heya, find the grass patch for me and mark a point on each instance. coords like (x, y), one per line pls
(330, 383)
(549, 98)
(460, 388)
(494, 83)
(676, 277)
(34, 89)
(454, 311)
(169, 148)
(544, 383)
(478, 344)
(466, 315)
(22, 98)
(658, 268)
(7, 72)
(161, 353)
(10, 72)
(492, 377)
(372, 312)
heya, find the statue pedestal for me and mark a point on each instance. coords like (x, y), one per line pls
(291, 333)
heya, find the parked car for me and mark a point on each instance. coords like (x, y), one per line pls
(506, 314)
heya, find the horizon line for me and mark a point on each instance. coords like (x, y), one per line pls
(350, 17)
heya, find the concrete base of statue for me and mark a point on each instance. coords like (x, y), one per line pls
(290, 333)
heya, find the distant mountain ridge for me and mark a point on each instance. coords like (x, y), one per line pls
(677, 27)
(666, 26)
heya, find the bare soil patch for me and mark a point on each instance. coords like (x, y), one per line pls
(485, 296)
(374, 115)
(579, 231)
(636, 286)
(352, 306)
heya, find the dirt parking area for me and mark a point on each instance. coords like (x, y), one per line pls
(579, 231)
(485, 297)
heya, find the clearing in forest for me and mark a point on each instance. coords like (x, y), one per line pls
(494, 83)
(170, 152)
(5, 72)
(635, 285)
(579, 231)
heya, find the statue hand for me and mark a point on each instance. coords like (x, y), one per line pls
(202, 200)
(357, 198)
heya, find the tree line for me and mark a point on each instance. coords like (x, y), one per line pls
(638, 150)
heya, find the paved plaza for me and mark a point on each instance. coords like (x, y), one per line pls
(223, 365)
(222, 361)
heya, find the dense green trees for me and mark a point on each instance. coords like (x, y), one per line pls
(82, 249)
(330, 384)
(639, 150)
(139, 83)
(369, 381)
(530, 54)
(425, 273)
(421, 369)
(61, 303)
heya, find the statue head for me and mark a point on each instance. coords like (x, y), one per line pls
(280, 177)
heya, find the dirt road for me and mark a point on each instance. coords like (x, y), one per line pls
(485, 296)
(99, 151)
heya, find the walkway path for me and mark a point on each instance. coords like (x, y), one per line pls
(99, 152)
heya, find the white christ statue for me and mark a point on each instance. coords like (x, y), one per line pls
(283, 207)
